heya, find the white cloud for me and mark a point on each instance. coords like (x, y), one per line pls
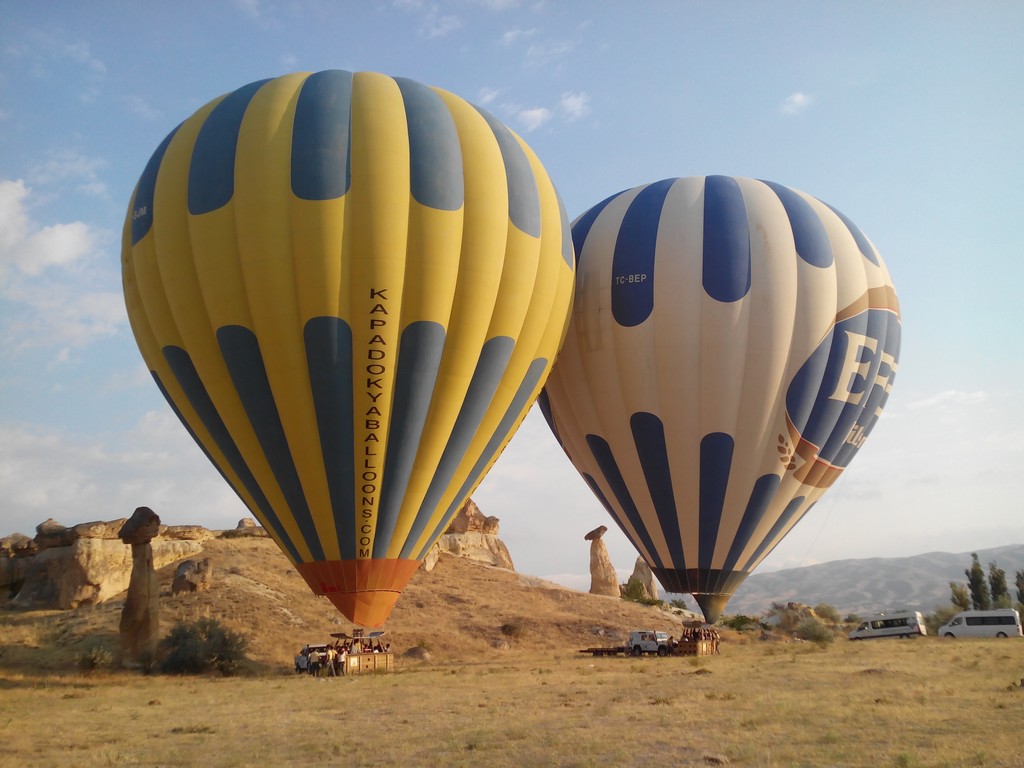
(65, 165)
(575, 105)
(81, 54)
(948, 399)
(47, 473)
(250, 7)
(533, 118)
(142, 108)
(796, 102)
(543, 54)
(440, 25)
(513, 36)
(52, 280)
(30, 250)
(486, 95)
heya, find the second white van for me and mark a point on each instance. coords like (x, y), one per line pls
(901, 624)
(1001, 622)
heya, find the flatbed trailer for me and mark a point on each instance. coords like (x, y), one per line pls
(685, 648)
(604, 651)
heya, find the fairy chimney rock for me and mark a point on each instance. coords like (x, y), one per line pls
(140, 617)
(603, 579)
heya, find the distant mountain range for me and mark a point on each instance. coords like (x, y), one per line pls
(872, 585)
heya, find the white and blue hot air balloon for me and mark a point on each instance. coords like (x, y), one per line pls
(732, 344)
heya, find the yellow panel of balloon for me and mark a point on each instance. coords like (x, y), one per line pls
(350, 288)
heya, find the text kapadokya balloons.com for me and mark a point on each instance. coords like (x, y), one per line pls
(350, 288)
(732, 344)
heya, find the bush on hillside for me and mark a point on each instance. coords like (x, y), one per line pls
(814, 631)
(827, 612)
(634, 591)
(739, 622)
(942, 615)
(95, 656)
(192, 648)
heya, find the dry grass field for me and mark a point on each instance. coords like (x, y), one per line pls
(924, 702)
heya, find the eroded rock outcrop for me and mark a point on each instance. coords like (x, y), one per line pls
(642, 573)
(474, 536)
(140, 618)
(85, 564)
(192, 576)
(603, 579)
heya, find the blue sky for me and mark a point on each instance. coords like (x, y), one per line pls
(906, 117)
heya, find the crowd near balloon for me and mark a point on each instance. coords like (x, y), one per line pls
(351, 288)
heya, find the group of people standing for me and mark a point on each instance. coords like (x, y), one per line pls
(332, 660)
(694, 634)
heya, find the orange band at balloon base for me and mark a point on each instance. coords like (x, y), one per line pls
(365, 590)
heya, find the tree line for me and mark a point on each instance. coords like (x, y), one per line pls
(983, 592)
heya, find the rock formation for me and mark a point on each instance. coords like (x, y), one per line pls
(140, 617)
(192, 576)
(603, 579)
(471, 535)
(643, 574)
(85, 564)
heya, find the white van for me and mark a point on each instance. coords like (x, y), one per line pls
(1001, 622)
(901, 624)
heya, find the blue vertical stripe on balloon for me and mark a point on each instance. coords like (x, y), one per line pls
(321, 167)
(419, 358)
(328, 342)
(568, 254)
(809, 236)
(142, 205)
(808, 385)
(515, 411)
(581, 227)
(211, 173)
(544, 403)
(435, 154)
(775, 534)
(605, 459)
(649, 438)
(862, 242)
(490, 368)
(715, 466)
(188, 379)
(725, 261)
(241, 352)
(761, 496)
(523, 197)
(633, 260)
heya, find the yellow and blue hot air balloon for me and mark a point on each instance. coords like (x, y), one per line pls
(733, 343)
(350, 288)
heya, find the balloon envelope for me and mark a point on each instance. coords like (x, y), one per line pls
(350, 288)
(732, 345)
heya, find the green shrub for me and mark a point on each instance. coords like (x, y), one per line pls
(828, 612)
(202, 646)
(513, 629)
(94, 656)
(634, 591)
(942, 615)
(814, 631)
(739, 622)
